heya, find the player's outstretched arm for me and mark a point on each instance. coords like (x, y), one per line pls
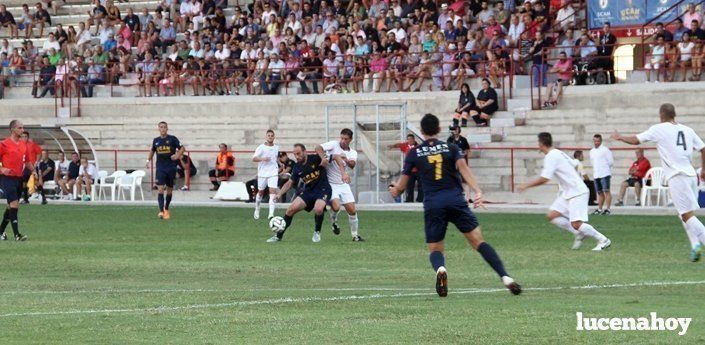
(629, 139)
(537, 182)
(395, 189)
(469, 178)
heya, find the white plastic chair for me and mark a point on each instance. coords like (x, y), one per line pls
(658, 185)
(96, 184)
(131, 182)
(110, 182)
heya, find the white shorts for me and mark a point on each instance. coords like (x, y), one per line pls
(264, 182)
(575, 208)
(684, 193)
(342, 192)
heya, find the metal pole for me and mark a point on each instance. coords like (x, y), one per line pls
(377, 150)
(511, 159)
(327, 125)
(354, 127)
(403, 132)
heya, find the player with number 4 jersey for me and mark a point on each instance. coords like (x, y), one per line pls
(675, 143)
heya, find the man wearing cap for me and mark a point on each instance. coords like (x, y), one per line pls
(444, 16)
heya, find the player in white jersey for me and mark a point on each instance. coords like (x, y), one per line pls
(570, 210)
(266, 157)
(676, 143)
(342, 157)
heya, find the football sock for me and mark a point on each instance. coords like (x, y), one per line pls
(333, 215)
(564, 223)
(272, 205)
(168, 202)
(41, 191)
(437, 260)
(492, 258)
(352, 219)
(319, 222)
(287, 222)
(588, 230)
(215, 184)
(697, 228)
(160, 200)
(14, 222)
(693, 238)
(5, 221)
(258, 201)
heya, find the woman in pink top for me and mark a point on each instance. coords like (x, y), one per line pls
(564, 68)
(378, 70)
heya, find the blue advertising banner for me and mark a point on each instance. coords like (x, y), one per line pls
(655, 7)
(617, 12)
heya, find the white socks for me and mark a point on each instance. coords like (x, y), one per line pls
(333, 215)
(564, 223)
(353, 225)
(272, 205)
(696, 229)
(258, 200)
(691, 236)
(588, 230)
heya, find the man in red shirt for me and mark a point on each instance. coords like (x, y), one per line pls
(405, 147)
(33, 153)
(636, 173)
(13, 152)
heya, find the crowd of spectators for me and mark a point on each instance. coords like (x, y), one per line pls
(355, 46)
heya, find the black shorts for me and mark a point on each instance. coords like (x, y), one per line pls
(437, 215)
(311, 196)
(633, 181)
(12, 187)
(180, 172)
(165, 177)
(220, 173)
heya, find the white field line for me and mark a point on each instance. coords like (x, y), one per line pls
(287, 300)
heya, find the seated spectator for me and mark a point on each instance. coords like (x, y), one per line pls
(87, 174)
(564, 68)
(45, 171)
(224, 167)
(95, 75)
(286, 164)
(466, 106)
(186, 164)
(655, 59)
(69, 180)
(578, 155)
(61, 171)
(685, 49)
(47, 72)
(486, 103)
(8, 21)
(16, 66)
(637, 172)
(26, 22)
(275, 68)
(96, 15)
(566, 16)
(41, 19)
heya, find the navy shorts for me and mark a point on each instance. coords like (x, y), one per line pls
(311, 196)
(456, 211)
(602, 184)
(165, 177)
(12, 187)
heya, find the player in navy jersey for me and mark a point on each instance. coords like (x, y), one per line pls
(168, 150)
(316, 191)
(440, 167)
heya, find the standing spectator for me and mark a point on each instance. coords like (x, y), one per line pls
(87, 174)
(578, 155)
(45, 172)
(602, 161)
(466, 106)
(637, 172)
(604, 51)
(487, 104)
(224, 167)
(414, 180)
(538, 59)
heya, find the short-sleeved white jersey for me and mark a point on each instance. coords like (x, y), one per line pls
(558, 166)
(269, 168)
(333, 148)
(675, 143)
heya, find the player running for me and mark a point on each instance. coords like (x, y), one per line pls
(570, 210)
(341, 156)
(266, 157)
(676, 143)
(440, 166)
(315, 193)
(169, 151)
(13, 152)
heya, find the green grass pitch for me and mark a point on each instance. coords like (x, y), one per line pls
(119, 275)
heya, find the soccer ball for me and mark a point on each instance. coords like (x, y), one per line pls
(276, 224)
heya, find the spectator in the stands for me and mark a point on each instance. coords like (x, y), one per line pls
(41, 19)
(486, 103)
(695, 32)
(69, 180)
(26, 22)
(637, 172)
(679, 30)
(565, 18)
(87, 175)
(661, 30)
(604, 51)
(46, 79)
(538, 58)
(224, 167)
(94, 76)
(564, 70)
(691, 15)
(96, 15)
(412, 184)
(655, 58)
(685, 49)
(8, 21)
(466, 106)
(515, 30)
